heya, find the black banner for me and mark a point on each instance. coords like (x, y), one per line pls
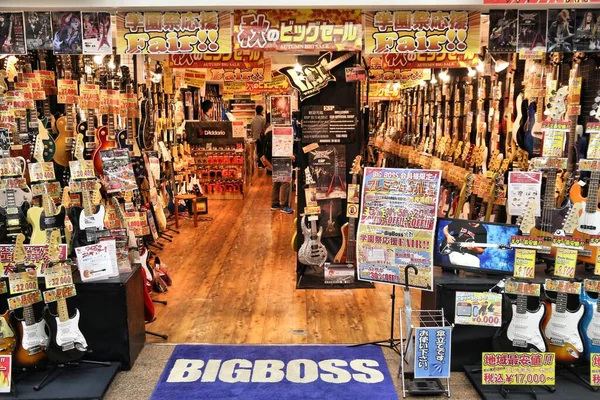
(328, 124)
(199, 131)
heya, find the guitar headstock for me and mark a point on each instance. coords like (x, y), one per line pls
(66, 197)
(19, 250)
(571, 220)
(557, 106)
(54, 246)
(308, 179)
(48, 203)
(595, 108)
(527, 222)
(96, 195)
(119, 211)
(356, 167)
(79, 146)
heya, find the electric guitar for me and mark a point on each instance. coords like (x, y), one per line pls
(464, 246)
(589, 220)
(523, 330)
(331, 221)
(91, 218)
(591, 320)
(311, 79)
(562, 327)
(125, 137)
(44, 219)
(12, 218)
(347, 253)
(67, 343)
(7, 46)
(336, 176)
(312, 252)
(32, 339)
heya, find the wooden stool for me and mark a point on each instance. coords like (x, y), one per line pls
(191, 197)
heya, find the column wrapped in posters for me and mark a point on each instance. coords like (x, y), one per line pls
(396, 225)
(422, 31)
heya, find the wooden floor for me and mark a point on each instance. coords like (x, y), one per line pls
(234, 282)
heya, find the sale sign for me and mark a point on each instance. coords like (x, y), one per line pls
(297, 30)
(518, 368)
(478, 308)
(595, 369)
(173, 32)
(380, 64)
(246, 66)
(422, 31)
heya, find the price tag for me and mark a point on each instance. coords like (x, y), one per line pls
(58, 276)
(518, 369)
(20, 282)
(89, 96)
(524, 263)
(41, 171)
(527, 242)
(591, 285)
(565, 262)
(311, 197)
(597, 267)
(314, 210)
(83, 169)
(352, 210)
(528, 289)
(129, 105)
(568, 242)
(59, 293)
(593, 151)
(595, 369)
(25, 299)
(310, 147)
(67, 91)
(553, 143)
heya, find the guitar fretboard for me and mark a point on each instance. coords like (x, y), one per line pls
(592, 198)
(561, 302)
(521, 304)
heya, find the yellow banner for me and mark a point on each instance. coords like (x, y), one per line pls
(518, 369)
(422, 31)
(172, 32)
(195, 78)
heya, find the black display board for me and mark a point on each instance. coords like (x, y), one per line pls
(198, 131)
(328, 124)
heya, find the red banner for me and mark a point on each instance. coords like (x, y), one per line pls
(246, 66)
(388, 67)
(297, 30)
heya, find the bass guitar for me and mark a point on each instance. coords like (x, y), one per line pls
(33, 339)
(589, 220)
(312, 252)
(67, 343)
(347, 253)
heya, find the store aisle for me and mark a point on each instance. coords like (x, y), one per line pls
(234, 282)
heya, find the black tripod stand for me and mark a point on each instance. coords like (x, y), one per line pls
(393, 343)
(62, 367)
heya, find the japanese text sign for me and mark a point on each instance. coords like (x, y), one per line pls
(173, 32)
(478, 308)
(432, 353)
(422, 31)
(297, 30)
(242, 66)
(518, 368)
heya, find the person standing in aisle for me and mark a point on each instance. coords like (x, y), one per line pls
(280, 191)
(205, 108)
(258, 126)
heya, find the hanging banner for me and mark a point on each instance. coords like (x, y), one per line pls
(383, 63)
(298, 30)
(173, 32)
(405, 77)
(195, 78)
(66, 27)
(503, 31)
(97, 33)
(246, 66)
(38, 30)
(279, 85)
(432, 352)
(422, 31)
(396, 226)
(12, 33)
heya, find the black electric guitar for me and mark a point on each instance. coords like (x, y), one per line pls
(311, 79)
(312, 252)
(67, 343)
(347, 252)
(464, 246)
(12, 218)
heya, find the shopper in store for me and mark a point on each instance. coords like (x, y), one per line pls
(205, 109)
(280, 192)
(258, 126)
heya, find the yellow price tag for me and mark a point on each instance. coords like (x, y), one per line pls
(24, 300)
(58, 276)
(524, 263)
(595, 369)
(20, 282)
(566, 260)
(597, 268)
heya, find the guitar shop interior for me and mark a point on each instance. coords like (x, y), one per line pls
(213, 203)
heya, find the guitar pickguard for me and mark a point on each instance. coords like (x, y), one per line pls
(526, 328)
(34, 335)
(563, 328)
(68, 334)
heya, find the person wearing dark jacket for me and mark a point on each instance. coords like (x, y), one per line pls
(280, 192)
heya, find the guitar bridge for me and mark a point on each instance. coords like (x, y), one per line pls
(68, 346)
(596, 342)
(557, 342)
(519, 343)
(34, 350)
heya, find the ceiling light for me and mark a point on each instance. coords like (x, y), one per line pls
(111, 64)
(471, 72)
(98, 59)
(298, 67)
(433, 81)
(500, 66)
(422, 83)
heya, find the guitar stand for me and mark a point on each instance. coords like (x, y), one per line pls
(585, 382)
(61, 368)
(160, 335)
(505, 392)
(393, 343)
(156, 245)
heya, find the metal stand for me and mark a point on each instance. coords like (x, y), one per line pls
(505, 392)
(391, 342)
(420, 318)
(581, 379)
(61, 368)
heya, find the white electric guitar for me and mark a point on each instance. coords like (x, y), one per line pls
(524, 328)
(88, 219)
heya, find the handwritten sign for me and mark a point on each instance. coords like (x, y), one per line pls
(20, 282)
(41, 171)
(24, 300)
(63, 292)
(67, 91)
(524, 263)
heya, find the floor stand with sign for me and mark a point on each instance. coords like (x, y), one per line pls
(411, 384)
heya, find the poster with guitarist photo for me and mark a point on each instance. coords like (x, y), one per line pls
(532, 30)
(97, 33)
(12, 33)
(38, 30)
(328, 167)
(503, 30)
(561, 29)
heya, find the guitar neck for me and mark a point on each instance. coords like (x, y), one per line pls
(561, 302)
(28, 315)
(592, 199)
(63, 310)
(521, 304)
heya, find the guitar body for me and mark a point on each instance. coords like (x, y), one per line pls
(65, 333)
(104, 143)
(47, 142)
(591, 324)
(8, 232)
(94, 221)
(589, 223)
(64, 152)
(8, 339)
(565, 327)
(312, 251)
(22, 150)
(122, 139)
(528, 139)
(341, 255)
(32, 344)
(526, 328)
(38, 235)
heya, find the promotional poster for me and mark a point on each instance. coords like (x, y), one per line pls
(587, 34)
(532, 30)
(12, 33)
(524, 188)
(38, 30)
(66, 27)
(396, 225)
(281, 110)
(503, 30)
(561, 29)
(328, 169)
(97, 33)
